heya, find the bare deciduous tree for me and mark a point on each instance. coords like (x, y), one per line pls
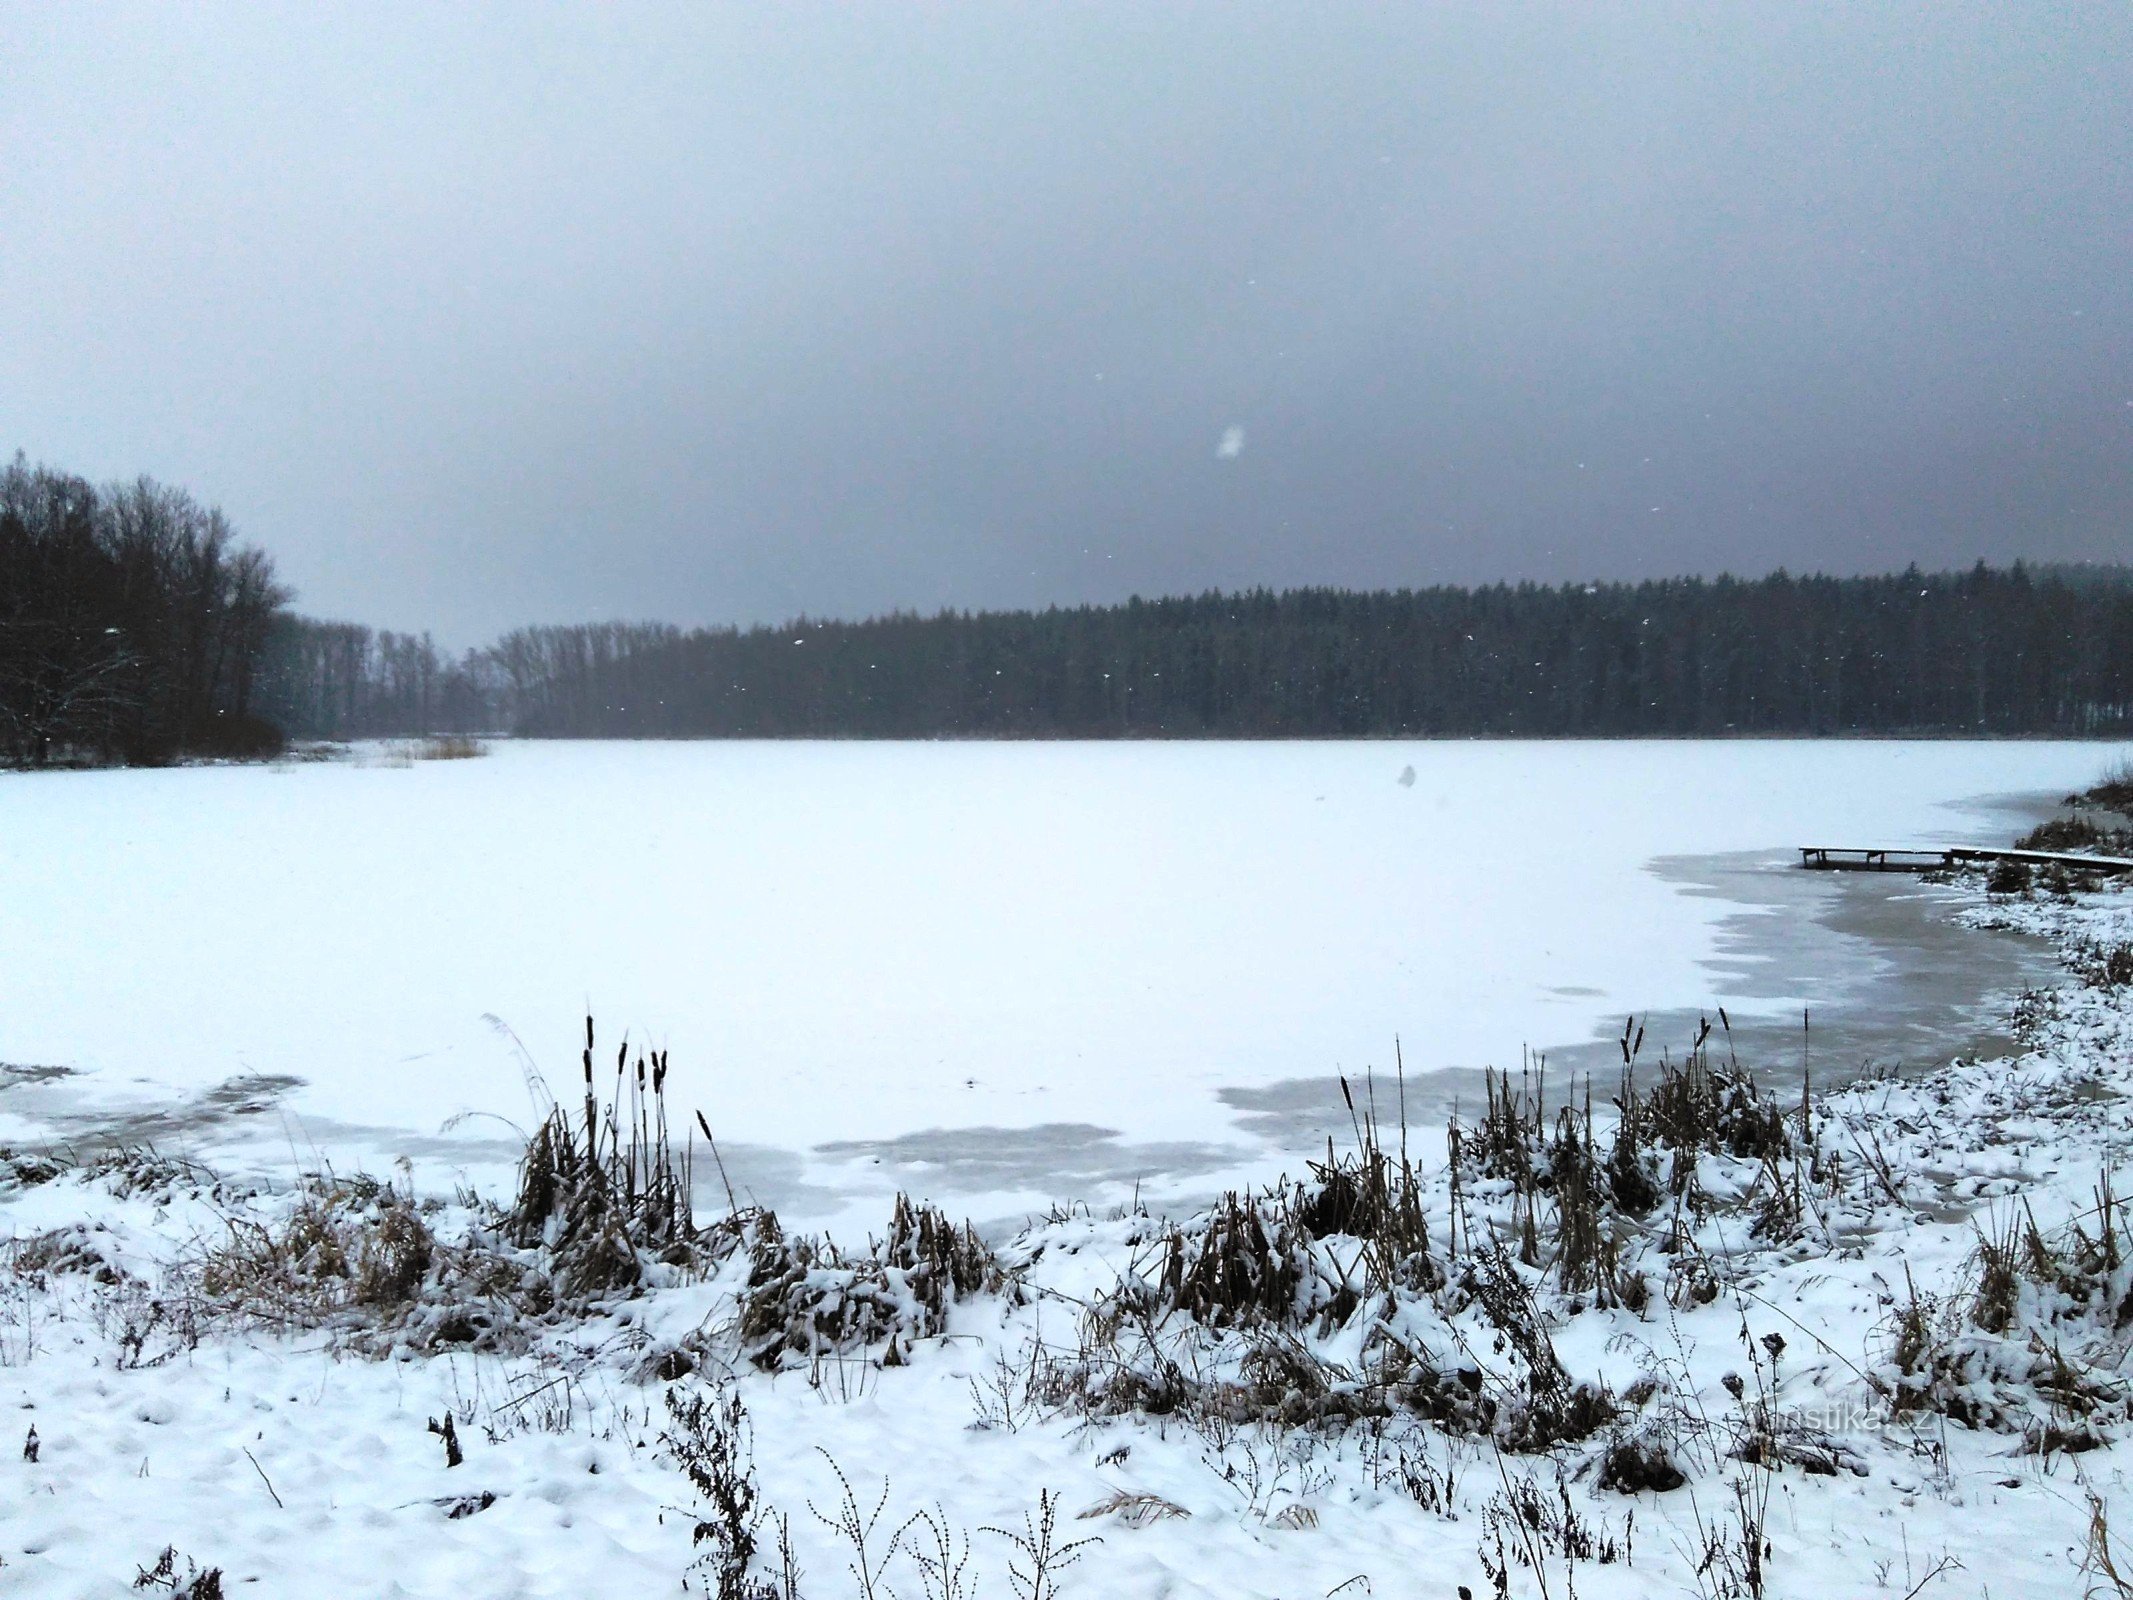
(132, 623)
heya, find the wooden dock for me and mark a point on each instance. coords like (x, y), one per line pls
(1847, 858)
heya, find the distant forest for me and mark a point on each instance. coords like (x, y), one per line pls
(135, 627)
(1980, 652)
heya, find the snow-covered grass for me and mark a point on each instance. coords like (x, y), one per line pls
(1880, 1341)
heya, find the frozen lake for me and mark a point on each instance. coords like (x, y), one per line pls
(998, 973)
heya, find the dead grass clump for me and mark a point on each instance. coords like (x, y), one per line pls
(2102, 966)
(1779, 1201)
(2033, 1344)
(1635, 1465)
(2075, 834)
(1237, 1268)
(2009, 877)
(603, 1192)
(2116, 790)
(602, 1206)
(22, 1170)
(448, 747)
(805, 1301)
(1135, 1510)
(146, 1173)
(1107, 1379)
(1588, 1254)
(938, 1262)
(1706, 1104)
(1696, 1107)
(2004, 1258)
(1372, 1194)
(1214, 1317)
(347, 1245)
(1549, 1408)
(78, 1249)
(1632, 1182)
(1221, 1318)
(1915, 1330)
(360, 1256)
(1281, 1378)
(1507, 1141)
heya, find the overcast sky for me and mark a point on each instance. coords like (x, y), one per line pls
(478, 317)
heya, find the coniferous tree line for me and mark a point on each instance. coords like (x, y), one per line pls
(132, 623)
(1980, 652)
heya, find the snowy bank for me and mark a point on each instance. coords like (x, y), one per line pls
(1667, 1336)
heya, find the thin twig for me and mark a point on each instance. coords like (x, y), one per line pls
(263, 1478)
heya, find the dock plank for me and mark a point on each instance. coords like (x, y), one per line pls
(1872, 858)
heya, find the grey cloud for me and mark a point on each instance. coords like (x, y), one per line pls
(478, 317)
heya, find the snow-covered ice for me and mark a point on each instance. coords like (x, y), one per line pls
(1076, 949)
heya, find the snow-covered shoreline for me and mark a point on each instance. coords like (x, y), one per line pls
(1837, 1336)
